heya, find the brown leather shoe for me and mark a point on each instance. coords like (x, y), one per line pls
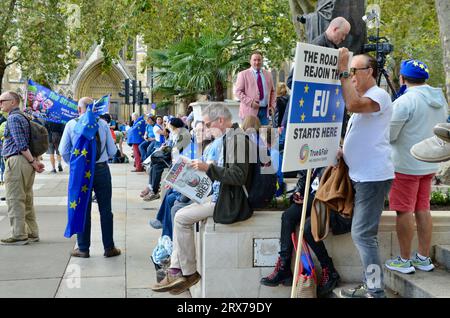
(78, 253)
(112, 252)
(190, 281)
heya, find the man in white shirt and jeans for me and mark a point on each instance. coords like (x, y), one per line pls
(367, 152)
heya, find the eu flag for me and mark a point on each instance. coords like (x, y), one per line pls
(136, 133)
(190, 151)
(82, 168)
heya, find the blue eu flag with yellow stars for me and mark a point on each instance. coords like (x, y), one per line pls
(136, 133)
(190, 151)
(81, 177)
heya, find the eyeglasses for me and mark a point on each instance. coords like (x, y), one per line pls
(4, 100)
(354, 69)
(208, 124)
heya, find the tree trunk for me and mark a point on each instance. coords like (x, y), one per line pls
(2, 71)
(443, 12)
(219, 91)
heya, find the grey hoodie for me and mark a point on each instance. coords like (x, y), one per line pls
(415, 113)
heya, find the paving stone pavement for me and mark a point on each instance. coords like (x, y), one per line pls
(46, 270)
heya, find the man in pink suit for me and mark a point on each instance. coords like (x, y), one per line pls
(255, 90)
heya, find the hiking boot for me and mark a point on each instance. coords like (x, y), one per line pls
(281, 274)
(60, 168)
(328, 281)
(191, 280)
(169, 282)
(399, 265)
(33, 238)
(14, 241)
(361, 291)
(78, 253)
(432, 149)
(156, 224)
(424, 265)
(442, 131)
(151, 196)
(111, 252)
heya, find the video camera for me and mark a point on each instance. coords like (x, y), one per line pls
(381, 45)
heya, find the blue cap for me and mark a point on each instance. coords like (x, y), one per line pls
(414, 69)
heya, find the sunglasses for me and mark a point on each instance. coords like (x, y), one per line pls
(4, 100)
(353, 70)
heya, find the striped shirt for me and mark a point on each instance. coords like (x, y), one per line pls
(17, 134)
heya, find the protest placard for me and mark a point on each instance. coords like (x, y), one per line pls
(194, 184)
(316, 110)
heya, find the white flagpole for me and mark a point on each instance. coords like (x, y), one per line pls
(300, 233)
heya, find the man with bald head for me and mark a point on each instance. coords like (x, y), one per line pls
(20, 171)
(335, 34)
(367, 153)
(101, 185)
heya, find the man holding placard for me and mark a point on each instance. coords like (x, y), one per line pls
(367, 153)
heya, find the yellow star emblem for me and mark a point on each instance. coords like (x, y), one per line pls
(415, 63)
(84, 188)
(338, 103)
(422, 66)
(76, 152)
(87, 174)
(301, 102)
(73, 205)
(303, 117)
(306, 88)
(426, 70)
(337, 91)
(84, 152)
(334, 117)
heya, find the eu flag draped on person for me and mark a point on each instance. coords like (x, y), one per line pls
(81, 177)
(136, 133)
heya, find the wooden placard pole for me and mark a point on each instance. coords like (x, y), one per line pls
(300, 233)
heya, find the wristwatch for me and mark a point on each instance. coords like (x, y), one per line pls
(344, 74)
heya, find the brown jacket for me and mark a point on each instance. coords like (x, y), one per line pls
(335, 193)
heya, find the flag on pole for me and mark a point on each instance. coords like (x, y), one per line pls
(82, 169)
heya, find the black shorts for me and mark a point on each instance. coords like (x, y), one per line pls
(53, 143)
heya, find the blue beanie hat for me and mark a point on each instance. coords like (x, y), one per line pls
(414, 69)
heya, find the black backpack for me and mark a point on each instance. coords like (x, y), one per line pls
(264, 183)
(38, 138)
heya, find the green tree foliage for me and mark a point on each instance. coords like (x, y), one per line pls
(33, 33)
(413, 29)
(202, 65)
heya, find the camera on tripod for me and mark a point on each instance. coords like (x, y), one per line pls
(381, 45)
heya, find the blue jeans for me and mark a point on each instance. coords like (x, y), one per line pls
(164, 212)
(368, 206)
(143, 149)
(103, 191)
(2, 168)
(262, 115)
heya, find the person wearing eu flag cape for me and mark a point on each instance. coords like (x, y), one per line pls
(87, 145)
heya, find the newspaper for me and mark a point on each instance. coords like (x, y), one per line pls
(194, 184)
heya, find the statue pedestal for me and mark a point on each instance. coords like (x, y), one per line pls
(233, 106)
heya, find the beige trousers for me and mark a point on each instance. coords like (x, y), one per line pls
(19, 179)
(183, 252)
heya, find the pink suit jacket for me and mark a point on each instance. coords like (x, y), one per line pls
(246, 90)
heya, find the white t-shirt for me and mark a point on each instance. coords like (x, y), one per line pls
(158, 136)
(367, 151)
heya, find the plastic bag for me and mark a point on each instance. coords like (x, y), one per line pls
(163, 250)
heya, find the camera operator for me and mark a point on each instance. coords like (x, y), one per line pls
(366, 151)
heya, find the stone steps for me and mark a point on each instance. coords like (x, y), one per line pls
(421, 284)
(442, 256)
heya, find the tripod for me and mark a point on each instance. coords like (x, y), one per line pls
(383, 72)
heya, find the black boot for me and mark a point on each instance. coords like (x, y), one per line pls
(329, 280)
(282, 274)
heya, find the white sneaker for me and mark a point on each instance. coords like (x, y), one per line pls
(432, 149)
(442, 131)
(424, 265)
